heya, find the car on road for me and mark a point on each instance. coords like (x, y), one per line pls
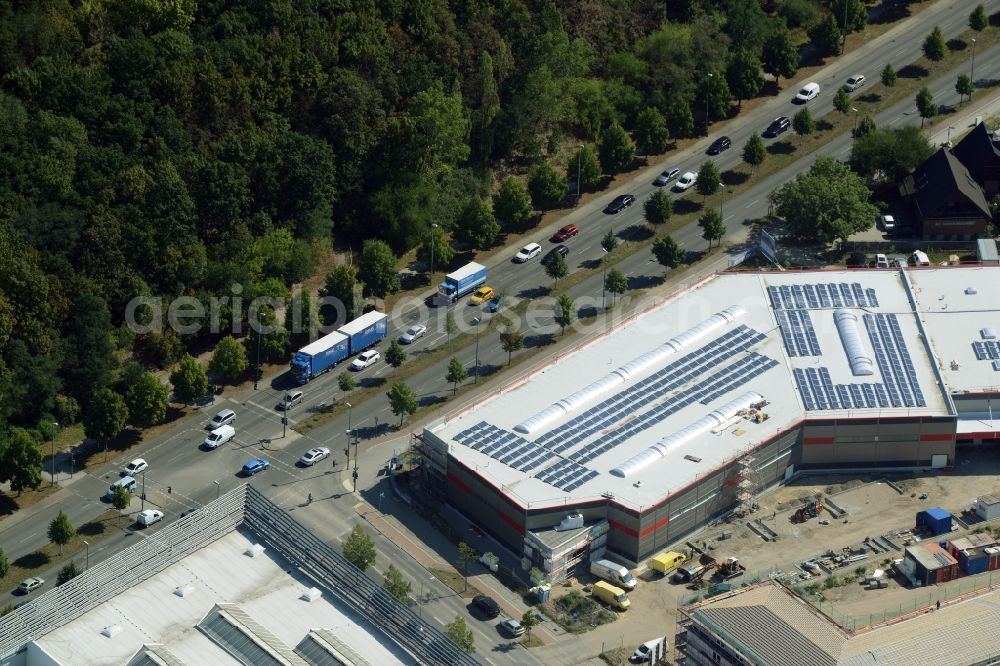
(29, 585)
(881, 261)
(686, 181)
(854, 82)
(314, 455)
(494, 304)
(512, 628)
(137, 466)
(666, 176)
(527, 253)
(620, 203)
(808, 92)
(256, 465)
(560, 250)
(777, 126)
(888, 222)
(365, 359)
(411, 334)
(291, 399)
(565, 233)
(486, 605)
(481, 295)
(719, 145)
(218, 437)
(225, 417)
(148, 517)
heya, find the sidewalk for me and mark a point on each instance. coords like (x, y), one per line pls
(986, 106)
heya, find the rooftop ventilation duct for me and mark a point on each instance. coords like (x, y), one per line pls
(662, 448)
(572, 521)
(850, 336)
(633, 368)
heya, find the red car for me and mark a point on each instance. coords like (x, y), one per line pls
(566, 232)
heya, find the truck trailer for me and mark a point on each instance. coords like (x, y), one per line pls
(320, 356)
(461, 282)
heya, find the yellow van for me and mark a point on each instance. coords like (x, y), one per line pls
(666, 561)
(611, 595)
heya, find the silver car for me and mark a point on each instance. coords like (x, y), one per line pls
(412, 333)
(666, 176)
(314, 455)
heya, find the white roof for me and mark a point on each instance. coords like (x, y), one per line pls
(465, 271)
(361, 323)
(647, 408)
(323, 343)
(954, 320)
(151, 612)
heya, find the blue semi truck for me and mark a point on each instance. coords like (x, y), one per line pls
(461, 282)
(317, 357)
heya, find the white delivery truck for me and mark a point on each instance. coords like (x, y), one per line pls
(615, 574)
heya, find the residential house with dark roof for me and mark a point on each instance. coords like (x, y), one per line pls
(945, 200)
(979, 151)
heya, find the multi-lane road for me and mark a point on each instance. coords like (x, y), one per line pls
(182, 476)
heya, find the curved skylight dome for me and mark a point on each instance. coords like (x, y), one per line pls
(633, 368)
(850, 336)
(671, 442)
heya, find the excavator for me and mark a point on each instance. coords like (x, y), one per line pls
(810, 510)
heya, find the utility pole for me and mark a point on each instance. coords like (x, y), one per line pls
(284, 416)
(56, 424)
(143, 505)
(843, 42)
(579, 158)
(87, 544)
(256, 376)
(433, 242)
(604, 280)
(972, 71)
(476, 322)
(708, 120)
(854, 136)
(347, 451)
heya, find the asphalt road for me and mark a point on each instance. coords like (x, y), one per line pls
(182, 476)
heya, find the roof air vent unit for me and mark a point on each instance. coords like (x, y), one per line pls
(254, 550)
(971, 290)
(988, 333)
(312, 594)
(850, 336)
(572, 521)
(183, 590)
(996, 365)
(111, 631)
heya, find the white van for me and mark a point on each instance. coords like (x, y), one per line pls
(649, 649)
(218, 437)
(919, 258)
(615, 574)
(128, 483)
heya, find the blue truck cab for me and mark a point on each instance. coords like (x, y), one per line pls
(461, 282)
(317, 357)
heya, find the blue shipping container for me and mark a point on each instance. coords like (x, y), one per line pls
(936, 521)
(976, 563)
(317, 357)
(366, 330)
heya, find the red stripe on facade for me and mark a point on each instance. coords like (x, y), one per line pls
(989, 434)
(615, 525)
(808, 441)
(510, 521)
(937, 438)
(463, 486)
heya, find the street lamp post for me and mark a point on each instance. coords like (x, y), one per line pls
(142, 506)
(972, 70)
(87, 544)
(218, 488)
(950, 128)
(256, 376)
(604, 280)
(708, 121)
(56, 424)
(843, 43)
(419, 604)
(380, 496)
(433, 242)
(854, 136)
(476, 321)
(347, 451)
(284, 416)
(579, 158)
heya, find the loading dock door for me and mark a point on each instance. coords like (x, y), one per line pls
(939, 460)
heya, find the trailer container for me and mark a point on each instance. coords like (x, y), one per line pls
(365, 331)
(460, 283)
(320, 356)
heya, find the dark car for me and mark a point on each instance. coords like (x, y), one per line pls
(620, 203)
(560, 250)
(777, 126)
(486, 605)
(720, 144)
(565, 233)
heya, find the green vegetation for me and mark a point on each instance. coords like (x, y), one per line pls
(359, 549)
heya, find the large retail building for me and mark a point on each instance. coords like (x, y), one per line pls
(681, 414)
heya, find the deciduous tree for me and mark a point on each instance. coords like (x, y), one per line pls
(61, 531)
(395, 355)
(359, 549)
(475, 224)
(712, 226)
(229, 361)
(978, 19)
(105, 417)
(547, 188)
(190, 381)
(658, 208)
(346, 382)
(803, 123)
(888, 76)
(565, 312)
(456, 374)
(120, 499)
(841, 101)
(377, 269)
(339, 286)
(925, 105)
(512, 203)
(709, 179)
(510, 342)
(461, 635)
(616, 283)
(68, 573)
(964, 87)
(667, 252)
(585, 167)
(556, 268)
(780, 57)
(395, 584)
(935, 47)
(826, 36)
(651, 131)
(714, 96)
(21, 461)
(145, 397)
(466, 556)
(402, 401)
(890, 154)
(609, 242)
(744, 76)
(754, 151)
(615, 149)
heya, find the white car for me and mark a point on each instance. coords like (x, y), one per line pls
(888, 222)
(314, 455)
(808, 92)
(686, 181)
(365, 359)
(137, 466)
(149, 516)
(528, 252)
(412, 333)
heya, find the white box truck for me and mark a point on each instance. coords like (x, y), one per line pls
(615, 574)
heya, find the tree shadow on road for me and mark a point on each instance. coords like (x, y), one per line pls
(32, 561)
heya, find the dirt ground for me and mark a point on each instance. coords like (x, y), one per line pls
(873, 509)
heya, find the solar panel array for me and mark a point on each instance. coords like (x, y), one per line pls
(815, 296)
(985, 351)
(798, 333)
(505, 446)
(566, 475)
(658, 384)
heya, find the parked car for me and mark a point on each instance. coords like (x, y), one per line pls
(494, 304)
(854, 82)
(256, 465)
(481, 295)
(528, 252)
(686, 181)
(314, 455)
(888, 222)
(881, 261)
(225, 417)
(137, 466)
(365, 359)
(620, 203)
(666, 176)
(719, 145)
(411, 334)
(778, 126)
(29, 585)
(486, 605)
(148, 517)
(291, 399)
(512, 628)
(565, 233)
(560, 250)
(808, 92)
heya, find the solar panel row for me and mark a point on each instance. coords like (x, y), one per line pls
(505, 446)
(566, 475)
(814, 296)
(990, 349)
(798, 333)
